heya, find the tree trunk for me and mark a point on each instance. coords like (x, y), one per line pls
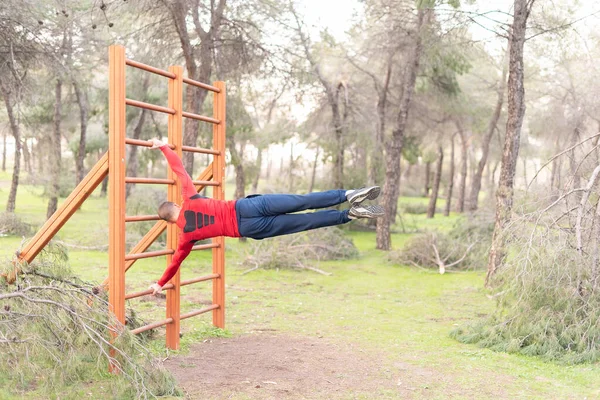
(462, 183)
(332, 93)
(472, 202)
(573, 167)
(237, 161)
(33, 154)
(104, 187)
(427, 185)
(376, 171)
(339, 122)
(258, 170)
(82, 103)
(26, 156)
(314, 171)
(4, 150)
(450, 180)
(516, 111)
(394, 149)
(436, 184)
(55, 152)
(394, 210)
(408, 171)
(240, 182)
(269, 165)
(15, 129)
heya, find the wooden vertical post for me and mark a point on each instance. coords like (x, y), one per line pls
(219, 105)
(174, 195)
(116, 185)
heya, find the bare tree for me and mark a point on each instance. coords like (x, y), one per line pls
(382, 88)
(8, 95)
(18, 51)
(55, 151)
(464, 151)
(198, 57)
(3, 150)
(516, 111)
(333, 90)
(394, 148)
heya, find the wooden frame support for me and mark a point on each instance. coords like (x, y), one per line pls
(72, 203)
(116, 185)
(219, 106)
(174, 195)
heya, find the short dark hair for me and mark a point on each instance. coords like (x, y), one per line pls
(167, 210)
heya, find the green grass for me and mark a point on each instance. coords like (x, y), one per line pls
(405, 312)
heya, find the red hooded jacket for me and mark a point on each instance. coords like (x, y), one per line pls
(200, 217)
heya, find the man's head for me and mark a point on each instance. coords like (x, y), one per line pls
(169, 211)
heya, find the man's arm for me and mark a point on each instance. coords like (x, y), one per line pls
(187, 186)
(182, 252)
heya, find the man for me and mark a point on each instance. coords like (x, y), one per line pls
(256, 216)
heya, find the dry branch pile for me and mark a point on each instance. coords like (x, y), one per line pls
(55, 332)
(548, 289)
(11, 224)
(300, 250)
(464, 247)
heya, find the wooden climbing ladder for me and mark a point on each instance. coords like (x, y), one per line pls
(113, 165)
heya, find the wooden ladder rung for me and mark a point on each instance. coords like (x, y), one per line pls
(144, 143)
(152, 326)
(200, 117)
(169, 286)
(201, 85)
(148, 254)
(200, 150)
(140, 218)
(198, 312)
(152, 181)
(206, 183)
(148, 106)
(148, 68)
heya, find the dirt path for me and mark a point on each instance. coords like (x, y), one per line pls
(272, 366)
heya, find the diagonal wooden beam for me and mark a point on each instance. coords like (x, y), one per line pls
(160, 226)
(65, 211)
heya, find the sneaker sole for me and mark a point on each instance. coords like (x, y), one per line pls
(368, 213)
(370, 194)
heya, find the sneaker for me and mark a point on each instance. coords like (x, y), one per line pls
(366, 212)
(357, 196)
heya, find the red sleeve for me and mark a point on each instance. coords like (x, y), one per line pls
(182, 252)
(187, 186)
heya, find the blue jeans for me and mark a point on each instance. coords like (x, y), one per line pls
(263, 216)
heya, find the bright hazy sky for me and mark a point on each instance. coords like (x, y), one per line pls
(337, 15)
